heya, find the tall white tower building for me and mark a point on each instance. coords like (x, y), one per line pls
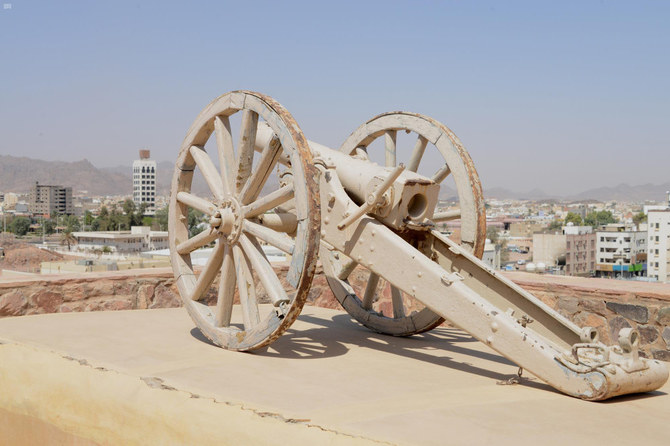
(658, 250)
(144, 182)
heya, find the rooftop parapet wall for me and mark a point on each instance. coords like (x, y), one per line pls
(607, 305)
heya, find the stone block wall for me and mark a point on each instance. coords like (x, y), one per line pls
(607, 305)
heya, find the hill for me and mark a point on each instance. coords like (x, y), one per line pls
(18, 174)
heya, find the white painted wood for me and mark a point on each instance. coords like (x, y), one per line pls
(417, 153)
(259, 177)
(247, 288)
(212, 176)
(396, 300)
(269, 201)
(441, 174)
(198, 241)
(260, 330)
(370, 291)
(226, 294)
(245, 153)
(209, 272)
(196, 202)
(390, 146)
(440, 217)
(264, 271)
(285, 222)
(276, 239)
(226, 151)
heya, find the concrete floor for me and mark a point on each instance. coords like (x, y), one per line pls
(130, 376)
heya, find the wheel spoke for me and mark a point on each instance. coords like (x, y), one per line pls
(271, 200)
(245, 153)
(390, 143)
(417, 154)
(347, 266)
(212, 176)
(265, 272)
(454, 214)
(370, 291)
(245, 283)
(208, 273)
(203, 239)
(224, 303)
(226, 150)
(441, 174)
(196, 203)
(396, 299)
(276, 239)
(267, 161)
(285, 222)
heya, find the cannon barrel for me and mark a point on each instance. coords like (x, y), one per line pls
(412, 198)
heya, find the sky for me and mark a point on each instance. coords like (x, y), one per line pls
(561, 96)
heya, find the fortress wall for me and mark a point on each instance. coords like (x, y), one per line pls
(607, 305)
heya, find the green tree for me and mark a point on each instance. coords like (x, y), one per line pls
(88, 218)
(67, 238)
(72, 223)
(639, 218)
(161, 219)
(573, 218)
(49, 226)
(555, 225)
(195, 218)
(19, 226)
(493, 234)
(598, 218)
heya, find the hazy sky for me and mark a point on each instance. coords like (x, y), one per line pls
(557, 95)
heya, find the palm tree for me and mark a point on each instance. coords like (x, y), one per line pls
(67, 238)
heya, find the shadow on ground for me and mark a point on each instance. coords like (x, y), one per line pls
(318, 343)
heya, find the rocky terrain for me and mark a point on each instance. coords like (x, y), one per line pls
(22, 256)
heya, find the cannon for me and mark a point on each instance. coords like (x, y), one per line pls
(372, 222)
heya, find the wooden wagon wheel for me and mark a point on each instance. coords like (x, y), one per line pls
(238, 220)
(457, 163)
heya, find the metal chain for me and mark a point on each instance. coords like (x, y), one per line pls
(513, 380)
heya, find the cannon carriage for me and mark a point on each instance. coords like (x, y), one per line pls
(375, 221)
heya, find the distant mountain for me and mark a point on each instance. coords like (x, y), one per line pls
(502, 193)
(625, 192)
(18, 174)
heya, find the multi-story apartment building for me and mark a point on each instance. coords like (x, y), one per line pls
(659, 244)
(47, 200)
(580, 250)
(144, 182)
(574, 247)
(620, 251)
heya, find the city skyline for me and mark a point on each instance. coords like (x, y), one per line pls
(563, 97)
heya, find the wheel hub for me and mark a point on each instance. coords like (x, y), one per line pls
(228, 220)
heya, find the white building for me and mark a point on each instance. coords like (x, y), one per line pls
(620, 251)
(491, 254)
(144, 182)
(138, 239)
(659, 243)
